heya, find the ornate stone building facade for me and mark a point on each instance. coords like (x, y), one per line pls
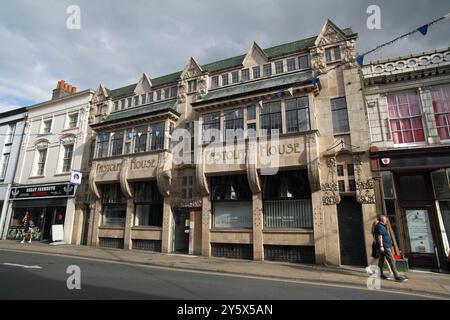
(408, 107)
(276, 165)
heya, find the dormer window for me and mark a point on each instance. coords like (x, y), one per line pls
(235, 77)
(245, 75)
(150, 97)
(279, 67)
(173, 91)
(158, 95)
(256, 72)
(225, 79)
(290, 64)
(215, 82)
(303, 62)
(267, 70)
(130, 101)
(116, 107)
(166, 93)
(136, 101)
(143, 99)
(333, 54)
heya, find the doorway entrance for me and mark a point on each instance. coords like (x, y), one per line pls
(351, 232)
(51, 216)
(181, 231)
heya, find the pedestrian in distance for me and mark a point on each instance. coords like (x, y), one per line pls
(27, 224)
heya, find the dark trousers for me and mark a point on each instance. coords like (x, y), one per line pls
(387, 255)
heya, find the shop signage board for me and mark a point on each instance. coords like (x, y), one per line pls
(65, 190)
(419, 230)
(75, 178)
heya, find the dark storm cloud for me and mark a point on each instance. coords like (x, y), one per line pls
(121, 39)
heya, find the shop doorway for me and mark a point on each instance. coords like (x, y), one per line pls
(351, 232)
(181, 231)
(51, 216)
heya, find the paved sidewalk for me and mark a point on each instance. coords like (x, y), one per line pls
(420, 282)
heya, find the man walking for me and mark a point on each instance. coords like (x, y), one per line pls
(385, 248)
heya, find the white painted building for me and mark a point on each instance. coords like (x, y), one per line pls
(53, 146)
(11, 130)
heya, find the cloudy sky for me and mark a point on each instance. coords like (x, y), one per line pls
(119, 40)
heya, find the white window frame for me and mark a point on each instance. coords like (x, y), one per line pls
(11, 131)
(4, 165)
(43, 126)
(36, 168)
(63, 157)
(69, 115)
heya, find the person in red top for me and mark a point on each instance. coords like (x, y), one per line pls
(27, 227)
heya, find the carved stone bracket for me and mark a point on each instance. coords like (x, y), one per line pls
(251, 164)
(313, 162)
(164, 172)
(124, 185)
(92, 185)
(201, 177)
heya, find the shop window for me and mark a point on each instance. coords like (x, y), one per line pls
(405, 118)
(234, 124)
(16, 228)
(297, 115)
(444, 207)
(148, 204)
(270, 117)
(287, 200)
(114, 205)
(413, 188)
(231, 202)
(441, 105)
(441, 184)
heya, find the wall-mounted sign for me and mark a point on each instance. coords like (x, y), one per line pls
(419, 230)
(65, 190)
(75, 178)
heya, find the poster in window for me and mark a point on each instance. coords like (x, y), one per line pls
(419, 231)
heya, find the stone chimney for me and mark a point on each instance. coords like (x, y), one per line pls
(63, 89)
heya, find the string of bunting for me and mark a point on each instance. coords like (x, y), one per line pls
(360, 59)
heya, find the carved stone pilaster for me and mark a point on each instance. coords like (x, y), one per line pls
(164, 172)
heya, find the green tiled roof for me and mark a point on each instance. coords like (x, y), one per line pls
(256, 86)
(272, 52)
(169, 105)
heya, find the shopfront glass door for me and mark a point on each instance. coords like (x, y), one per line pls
(419, 229)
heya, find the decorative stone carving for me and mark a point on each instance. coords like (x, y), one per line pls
(191, 70)
(318, 61)
(164, 172)
(365, 193)
(330, 194)
(181, 93)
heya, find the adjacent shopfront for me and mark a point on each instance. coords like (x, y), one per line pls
(47, 205)
(416, 192)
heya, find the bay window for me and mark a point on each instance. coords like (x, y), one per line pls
(117, 143)
(157, 136)
(103, 145)
(405, 118)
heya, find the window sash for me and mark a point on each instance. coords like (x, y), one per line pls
(279, 67)
(245, 75)
(297, 115)
(4, 165)
(215, 82)
(47, 126)
(340, 115)
(210, 121)
(256, 72)
(157, 136)
(117, 143)
(303, 62)
(234, 120)
(270, 117)
(67, 160)
(267, 70)
(42, 157)
(140, 140)
(73, 121)
(235, 77)
(290, 64)
(225, 79)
